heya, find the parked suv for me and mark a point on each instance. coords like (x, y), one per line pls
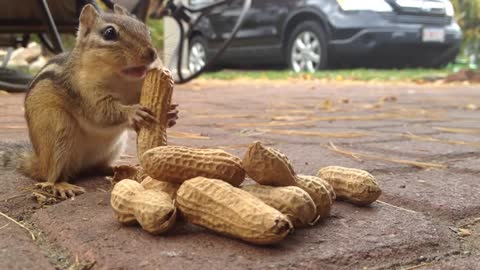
(309, 35)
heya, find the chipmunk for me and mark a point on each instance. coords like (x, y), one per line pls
(80, 104)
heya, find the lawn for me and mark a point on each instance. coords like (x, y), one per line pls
(339, 75)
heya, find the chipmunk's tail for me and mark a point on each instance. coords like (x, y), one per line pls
(17, 156)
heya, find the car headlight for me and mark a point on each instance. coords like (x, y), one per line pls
(449, 9)
(373, 5)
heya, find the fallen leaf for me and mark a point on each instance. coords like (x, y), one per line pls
(464, 232)
(471, 107)
(327, 104)
(388, 99)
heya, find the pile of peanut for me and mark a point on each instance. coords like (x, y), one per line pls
(205, 185)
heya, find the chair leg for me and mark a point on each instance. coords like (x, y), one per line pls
(53, 31)
(7, 57)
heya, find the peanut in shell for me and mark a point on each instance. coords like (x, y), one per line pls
(291, 201)
(154, 210)
(156, 95)
(177, 163)
(167, 187)
(121, 200)
(353, 185)
(317, 190)
(218, 206)
(268, 166)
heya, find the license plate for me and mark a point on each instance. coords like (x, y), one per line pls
(433, 35)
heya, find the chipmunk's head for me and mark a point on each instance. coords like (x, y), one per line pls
(116, 40)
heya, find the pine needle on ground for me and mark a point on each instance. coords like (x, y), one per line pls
(357, 156)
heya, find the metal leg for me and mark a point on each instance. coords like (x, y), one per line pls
(54, 35)
(7, 57)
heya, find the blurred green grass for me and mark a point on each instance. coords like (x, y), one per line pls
(361, 74)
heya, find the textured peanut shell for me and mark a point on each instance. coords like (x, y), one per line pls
(327, 185)
(121, 200)
(356, 186)
(177, 163)
(291, 201)
(218, 206)
(316, 188)
(154, 211)
(167, 187)
(267, 166)
(156, 95)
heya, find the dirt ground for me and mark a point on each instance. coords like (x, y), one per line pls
(419, 141)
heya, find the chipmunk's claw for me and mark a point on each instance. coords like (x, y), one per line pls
(62, 190)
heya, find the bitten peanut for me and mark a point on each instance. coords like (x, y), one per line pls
(353, 185)
(152, 209)
(167, 187)
(267, 166)
(177, 164)
(156, 95)
(217, 205)
(320, 194)
(291, 201)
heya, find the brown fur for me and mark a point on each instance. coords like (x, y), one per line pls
(80, 104)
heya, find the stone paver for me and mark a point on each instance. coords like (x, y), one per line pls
(410, 223)
(354, 237)
(18, 251)
(436, 192)
(466, 263)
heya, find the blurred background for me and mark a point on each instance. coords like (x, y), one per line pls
(331, 39)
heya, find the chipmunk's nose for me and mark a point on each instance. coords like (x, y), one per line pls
(150, 55)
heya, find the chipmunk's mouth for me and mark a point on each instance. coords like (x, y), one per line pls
(137, 72)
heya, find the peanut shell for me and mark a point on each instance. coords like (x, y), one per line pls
(167, 187)
(356, 186)
(156, 95)
(177, 163)
(291, 201)
(267, 166)
(218, 206)
(154, 211)
(121, 200)
(316, 188)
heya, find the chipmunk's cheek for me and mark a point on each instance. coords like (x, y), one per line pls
(137, 73)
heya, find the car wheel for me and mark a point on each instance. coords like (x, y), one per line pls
(197, 54)
(307, 48)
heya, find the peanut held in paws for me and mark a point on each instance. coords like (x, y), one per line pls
(156, 97)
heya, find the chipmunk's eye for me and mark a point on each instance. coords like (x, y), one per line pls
(110, 33)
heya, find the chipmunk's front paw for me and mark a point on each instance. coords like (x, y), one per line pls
(63, 190)
(172, 115)
(140, 117)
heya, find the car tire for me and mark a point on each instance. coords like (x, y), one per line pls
(308, 59)
(443, 59)
(197, 53)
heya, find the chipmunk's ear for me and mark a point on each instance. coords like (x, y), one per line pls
(87, 19)
(117, 9)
